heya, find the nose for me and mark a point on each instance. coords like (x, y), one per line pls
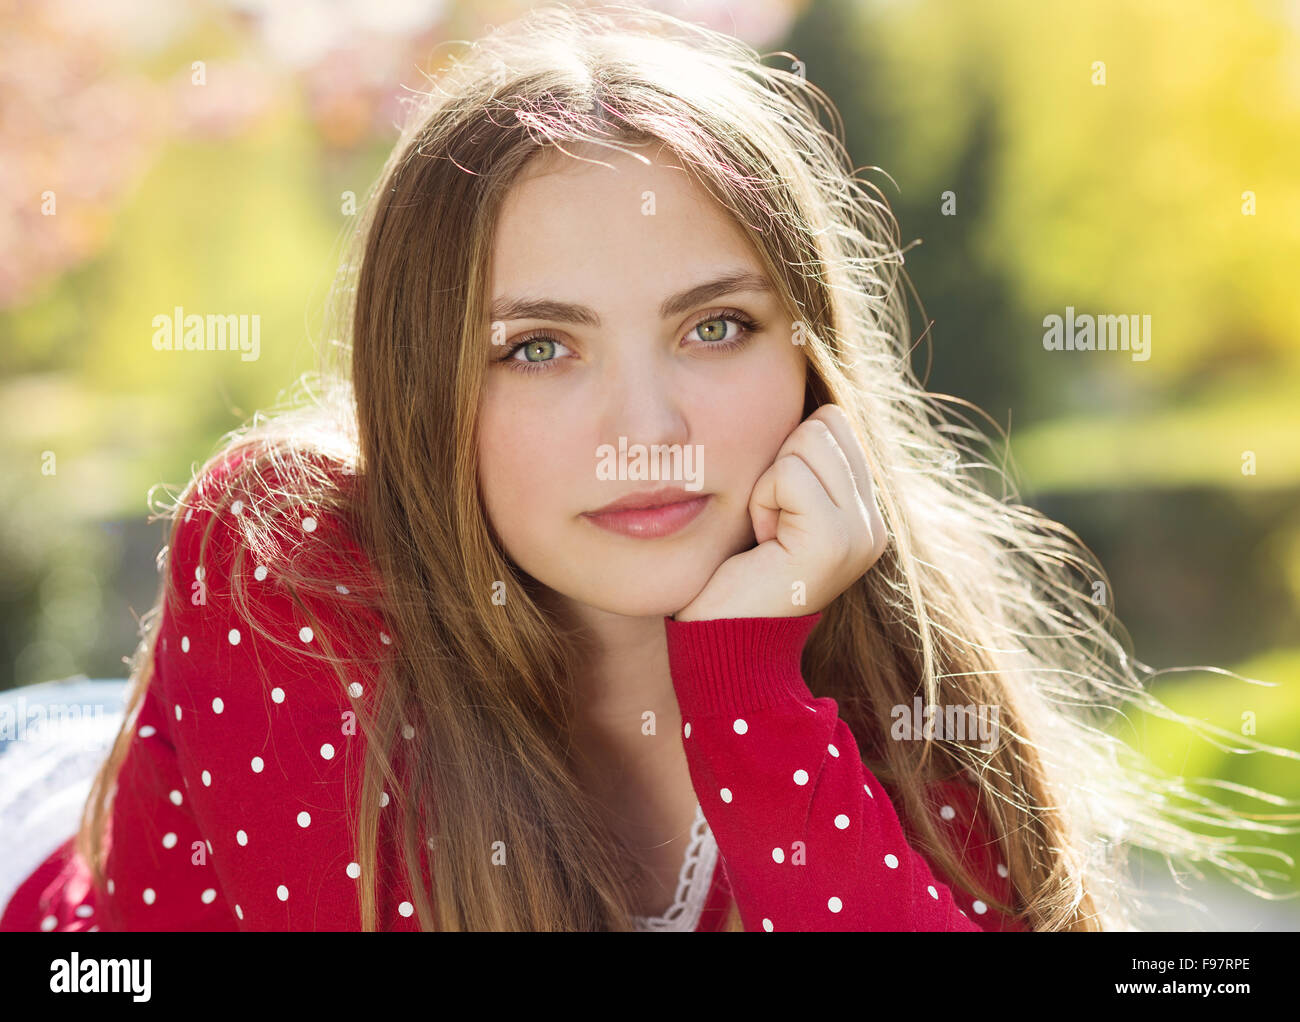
(642, 399)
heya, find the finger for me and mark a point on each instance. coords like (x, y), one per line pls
(816, 444)
(839, 423)
(841, 426)
(789, 487)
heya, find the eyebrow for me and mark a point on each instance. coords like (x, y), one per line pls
(673, 305)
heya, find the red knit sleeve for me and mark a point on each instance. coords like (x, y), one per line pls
(808, 837)
(956, 805)
(236, 807)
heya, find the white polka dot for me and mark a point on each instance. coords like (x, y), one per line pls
(740, 727)
(327, 751)
(169, 840)
(178, 711)
(1002, 870)
(891, 860)
(309, 524)
(304, 819)
(208, 896)
(947, 812)
(383, 637)
(236, 507)
(688, 729)
(257, 764)
(778, 854)
(175, 796)
(242, 837)
(835, 904)
(277, 694)
(84, 911)
(198, 573)
(239, 912)
(209, 844)
(383, 799)
(49, 923)
(218, 705)
(282, 893)
(408, 732)
(354, 870)
(980, 908)
(233, 636)
(767, 925)
(342, 590)
(207, 779)
(259, 572)
(868, 791)
(832, 750)
(149, 895)
(801, 777)
(933, 893)
(355, 690)
(185, 643)
(963, 912)
(725, 795)
(148, 731)
(111, 886)
(406, 908)
(841, 821)
(305, 634)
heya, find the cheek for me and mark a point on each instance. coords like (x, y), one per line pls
(786, 396)
(751, 422)
(524, 463)
(503, 469)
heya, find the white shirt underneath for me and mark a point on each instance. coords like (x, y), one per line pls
(693, 882)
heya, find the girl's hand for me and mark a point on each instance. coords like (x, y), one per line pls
(818, 529)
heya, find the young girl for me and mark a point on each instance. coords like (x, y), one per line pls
(629, 580)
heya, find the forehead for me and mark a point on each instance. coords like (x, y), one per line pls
(578, 230)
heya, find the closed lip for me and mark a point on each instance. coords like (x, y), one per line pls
(648, 499)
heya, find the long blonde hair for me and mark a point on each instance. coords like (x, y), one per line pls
(977, 601)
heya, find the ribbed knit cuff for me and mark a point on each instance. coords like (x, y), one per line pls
(727, 665)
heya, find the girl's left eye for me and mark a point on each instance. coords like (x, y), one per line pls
(711, 332)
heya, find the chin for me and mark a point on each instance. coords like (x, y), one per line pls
(633, 600)
(635, 581)
(634, 594)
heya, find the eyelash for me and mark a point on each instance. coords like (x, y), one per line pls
(747, 328)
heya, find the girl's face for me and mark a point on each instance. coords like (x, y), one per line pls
(612, 277)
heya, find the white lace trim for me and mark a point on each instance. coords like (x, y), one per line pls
(694, 882)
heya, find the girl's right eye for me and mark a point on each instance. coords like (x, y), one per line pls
(539, 350)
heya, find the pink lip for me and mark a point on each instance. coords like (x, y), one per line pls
(650, 522)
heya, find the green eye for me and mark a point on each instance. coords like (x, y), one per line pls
(544, 347)
(712, 329)
(539, 352)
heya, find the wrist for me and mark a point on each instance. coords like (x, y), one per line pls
(729, 665)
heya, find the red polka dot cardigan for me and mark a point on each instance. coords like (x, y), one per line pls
(232, 806)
